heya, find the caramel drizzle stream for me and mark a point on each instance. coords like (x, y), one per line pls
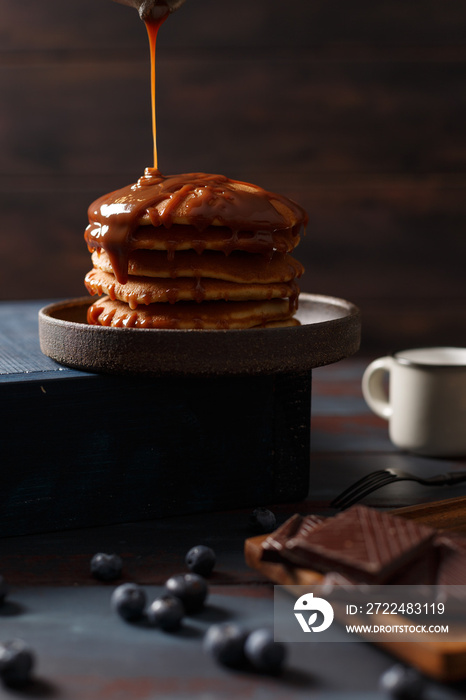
(153, 26)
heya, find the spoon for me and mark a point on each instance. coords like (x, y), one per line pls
(153, 8)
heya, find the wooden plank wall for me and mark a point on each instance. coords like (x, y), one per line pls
(356, 110)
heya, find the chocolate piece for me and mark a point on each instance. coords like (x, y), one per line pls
(274, 543)
(272, 547)
(451, 570)
(311, 522)
(361, 543)
(335, 580)
(421, 570)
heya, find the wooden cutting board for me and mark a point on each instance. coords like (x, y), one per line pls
(444, 661)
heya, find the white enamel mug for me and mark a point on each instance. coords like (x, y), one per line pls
(424, 399)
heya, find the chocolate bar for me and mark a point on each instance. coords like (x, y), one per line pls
(361, 542)
(451, 569)
(273, 545)
(422, 569)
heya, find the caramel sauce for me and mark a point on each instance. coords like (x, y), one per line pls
(153, 26)
(202, 199)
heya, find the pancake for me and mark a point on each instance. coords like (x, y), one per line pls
(286, 323)
(219, 238)
(191, 211)
(213, 315)
(144, 290)
(193, 251)
(236, 267)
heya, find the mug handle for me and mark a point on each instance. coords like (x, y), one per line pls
(373, 387)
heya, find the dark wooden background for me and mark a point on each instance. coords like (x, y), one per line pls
(355, 109)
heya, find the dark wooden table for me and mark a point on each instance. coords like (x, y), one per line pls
(85, 651)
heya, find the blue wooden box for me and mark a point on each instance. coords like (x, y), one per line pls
(78, 448)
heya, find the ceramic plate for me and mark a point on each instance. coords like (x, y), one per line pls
(329, 331)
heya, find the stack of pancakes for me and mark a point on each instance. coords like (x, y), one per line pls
(193, 251)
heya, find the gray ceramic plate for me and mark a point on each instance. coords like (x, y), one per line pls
(329, 332)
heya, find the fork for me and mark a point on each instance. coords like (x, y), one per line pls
(371, 482)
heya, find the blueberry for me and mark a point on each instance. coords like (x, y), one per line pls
(263, 652)
(191, 589)
(263, 520)
(16, 662)
(225, 642)
(129, 601)
(106, 567)
(3, 590)
(201, 560)
(166, 612)
(403, 683)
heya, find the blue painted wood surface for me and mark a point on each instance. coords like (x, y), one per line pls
(84, 651)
